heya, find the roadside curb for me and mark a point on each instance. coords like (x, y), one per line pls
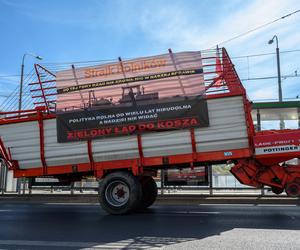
(190, 200)
(165, 199)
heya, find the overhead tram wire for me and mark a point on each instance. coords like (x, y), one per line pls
(9, 76)
(283, 77)
(258, 27)
(268, 77)
(265, 54)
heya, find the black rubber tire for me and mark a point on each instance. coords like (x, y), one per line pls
(292, 189)
(277, 190)
(134, 187)
(149, 192)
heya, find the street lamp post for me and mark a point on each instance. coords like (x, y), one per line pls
(20, 104)
(22, 76)
(278, 76)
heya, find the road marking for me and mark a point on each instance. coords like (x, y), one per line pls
(277, 205)
(88, 245)
(72, 203)
(135, 243)
(229, 205)
(251, 205)
(194, 212)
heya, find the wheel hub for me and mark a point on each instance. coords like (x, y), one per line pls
(117, 193)
(293, 189)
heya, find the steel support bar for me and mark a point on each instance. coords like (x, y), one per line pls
(41, 86)
(42, 142)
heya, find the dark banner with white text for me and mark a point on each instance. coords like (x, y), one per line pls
(169, 114)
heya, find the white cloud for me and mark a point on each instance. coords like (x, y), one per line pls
(264, 93)
(173, 26)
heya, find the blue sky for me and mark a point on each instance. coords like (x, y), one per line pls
(77, 30)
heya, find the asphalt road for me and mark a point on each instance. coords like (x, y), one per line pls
(79, 226)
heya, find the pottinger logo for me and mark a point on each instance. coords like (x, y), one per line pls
(127, 67)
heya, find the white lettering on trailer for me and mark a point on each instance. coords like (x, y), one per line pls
(82, 119)
(173, 108)
(277, 149)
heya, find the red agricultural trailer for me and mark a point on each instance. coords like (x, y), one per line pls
(125, 154)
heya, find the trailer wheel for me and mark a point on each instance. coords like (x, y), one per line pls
(277, 190)
(149, 191)
(292, 189)
(120, 193)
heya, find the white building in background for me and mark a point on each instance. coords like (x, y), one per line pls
(7, 182)
(11, 182)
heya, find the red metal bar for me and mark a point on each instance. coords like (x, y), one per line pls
(41, 96)
(212, 65)
(194, 146)
(19, 116)
(140, 148)
(133, 163)
(3, 150)
(25, 119)
(34, 90)
(208, 58)
(41, 86)
(214, 81)
(90, 153)
(230, 74)
(249, 122)
(49, 72)
(42, 142)
(45, 81)
(7, 156)
(50, 101)
(16, 112)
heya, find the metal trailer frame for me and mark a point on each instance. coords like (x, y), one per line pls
(248, 168)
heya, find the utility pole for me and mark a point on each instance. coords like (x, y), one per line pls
(282, 125)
